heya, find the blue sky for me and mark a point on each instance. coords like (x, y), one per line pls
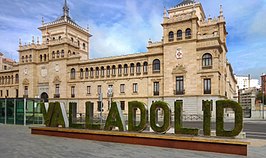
(124, 26)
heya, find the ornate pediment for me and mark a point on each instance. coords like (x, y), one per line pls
(25, 82)
(56, 80)
(179, 69)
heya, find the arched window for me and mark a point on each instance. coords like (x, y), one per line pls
(16, 78)
(73, 73)
(47, 40)
(40, 58)
(188, 33)
(59, 38)
(138, 68)
(86, 73)
(91, 72)
(119, 70)
(44, 57)
(113, 70)
(84, 46)
(22, 59)
(72, 39)
(5, 79)
(156, 65)
(12, 79)
(145, 67)
(132, 68)
(26, 58)
(30, 58)
(102, 71)
(207, 60)
(62, 53)
(57, 54)
(179, 34)
(53, 38)
(53, 54)
(171, 36)
(81, 73)
(97, 72)
(78, 43)
(125, 69)
(108, 71)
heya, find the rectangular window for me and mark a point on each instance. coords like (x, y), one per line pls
(207, 86)
(57, 92)
(179, 85)
(122, 88)
(26, 90)
(100, 106)
(73, 91)
(156, 88)
(88, 89)
(110, 91)
(16, 93)
(99, 89)
(57, 89)
(135, 88)
(122, 104)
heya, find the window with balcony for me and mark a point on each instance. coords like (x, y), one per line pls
(135, 87)
(113, 70)
(88, 89)
(102, 71)
(207, 60)
(171, 36)
(108, 71)
(72, 91)
(145, 67)
(91, 72)
(207, 86)
(97, 72)
(179, 85)
(132, 69)
(119, 70)
(122, 88)
(188, 33)
(125, 69)
(72, 74)
(179, 34)
(156, 66)
(81, 73)
(86, 73)
(57, 91)
(138, 68)
(156, 88)
(99, 89)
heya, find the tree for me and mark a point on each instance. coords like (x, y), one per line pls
(259, 97)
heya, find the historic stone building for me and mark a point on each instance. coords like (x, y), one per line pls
(188, 64)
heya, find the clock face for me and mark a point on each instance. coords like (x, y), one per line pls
(179, 54)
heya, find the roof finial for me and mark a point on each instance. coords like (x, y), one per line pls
(66, 9)
(42, 21)
(221, 10)
(165, 13)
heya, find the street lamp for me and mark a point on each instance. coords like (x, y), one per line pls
(110, 94)
(262, 88)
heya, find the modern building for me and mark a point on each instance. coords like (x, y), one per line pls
(189, 64)
(244, 82)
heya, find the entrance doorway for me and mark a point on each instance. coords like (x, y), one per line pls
(44, 96)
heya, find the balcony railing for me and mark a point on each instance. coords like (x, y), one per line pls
(179, 92)
(156, 93)
(56, 95)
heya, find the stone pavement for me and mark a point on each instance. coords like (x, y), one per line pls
(16, 141)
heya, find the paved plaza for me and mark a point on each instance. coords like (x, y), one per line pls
(16, 141)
